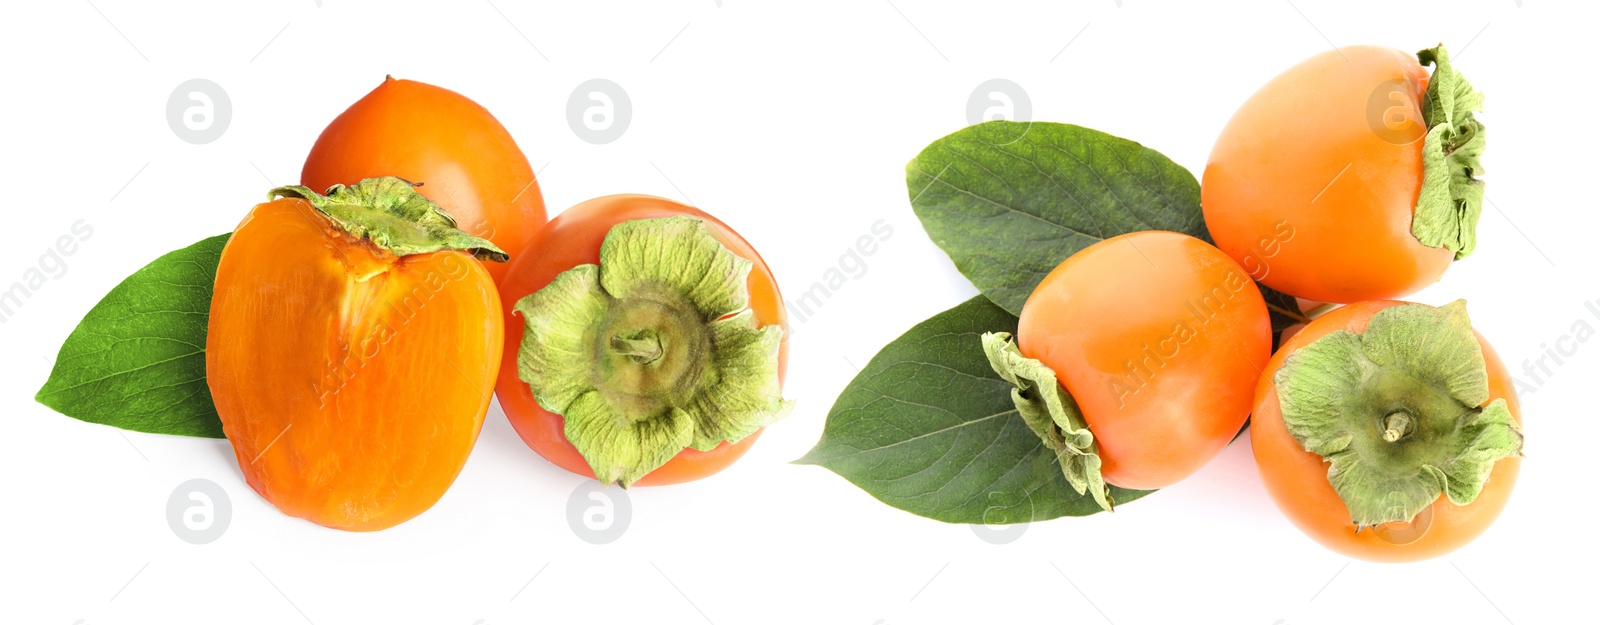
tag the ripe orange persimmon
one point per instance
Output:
(460, 155)
(1350, 176)
(1397, 428)
(351, 358)
(574, 239)
(1155, 337)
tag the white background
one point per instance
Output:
(793, 122)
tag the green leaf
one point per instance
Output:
(930, 428)
(137, 361)
(1008, 201)
(1283, 310)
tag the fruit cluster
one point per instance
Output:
(352, 337)
(1134, 349)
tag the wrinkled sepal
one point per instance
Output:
(558, 337)
(1488, 436)
(747, 395)
(391, 213)
(1052, 414)
(619, 449)
(1451, 198)
(1434, 345)
(676, 254)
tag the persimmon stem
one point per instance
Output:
(1396, 426)
(644, 350)
(1289, 313)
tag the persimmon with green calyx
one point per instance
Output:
(351, 351)
(457, 152)
(1351, 176)
(1135, 359)
(1388, 431)
(645, 342)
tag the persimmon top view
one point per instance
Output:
(645, 342)
(1389, 431)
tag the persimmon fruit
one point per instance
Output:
(458, 153)
(646, 389)
(1388, 431)
(351, 351)
(1135, 359)
(1351, 176)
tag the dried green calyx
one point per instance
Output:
(1451, 198)
(653, 350)
(1052, 414)
(391, 213)
(1401, 412)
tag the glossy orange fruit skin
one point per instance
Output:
(573, 238)
(466, 161)
(1302, 156)
(1118, 304)
(1297, 479)
(352, 383)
